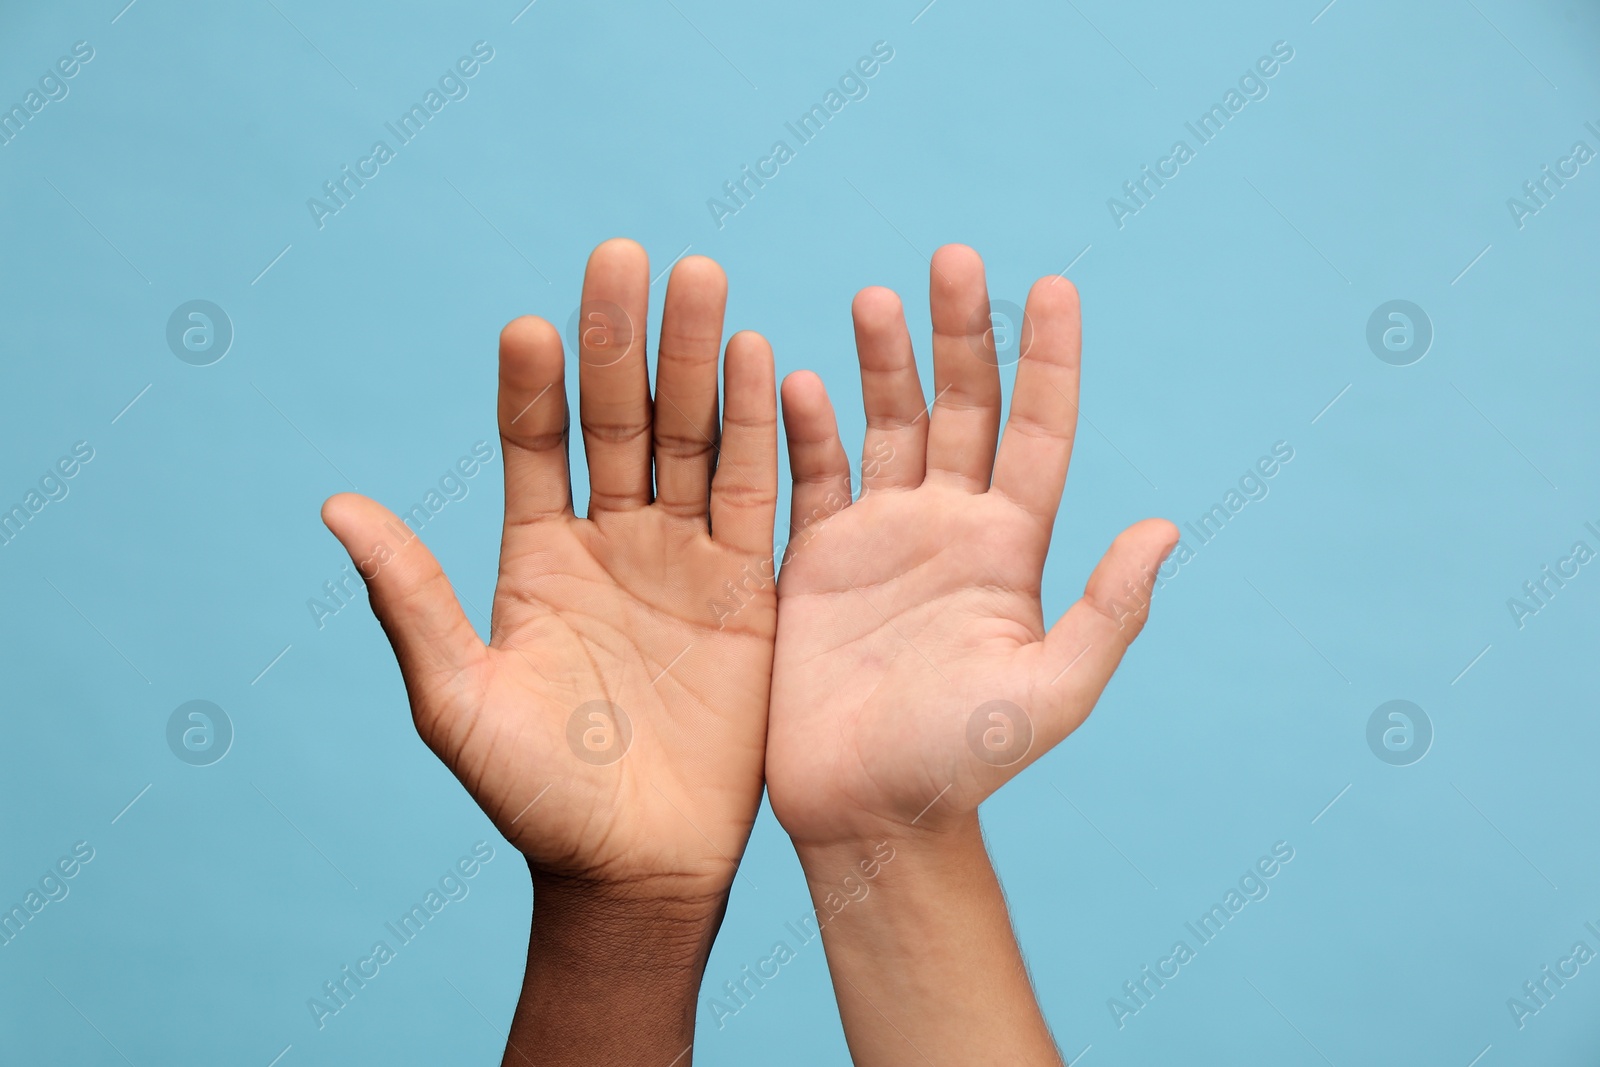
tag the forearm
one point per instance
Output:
(925, 966)
(611, 978)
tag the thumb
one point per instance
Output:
(1082, 650)
(412, 598)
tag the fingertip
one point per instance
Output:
(803, 390)
(329, 509)
(807, 412)
(618, 270)
(531, 356)
(527, 332)
(1054, 292)
(617, 249)
(1146, 539)
(956, 255)
(876, 306)
(340, 510)
(802, 381)
(746, 344)
(525, 344)
(956, 269)
(699, 270)
(355, 521)
(1141, 549)
(958, 297)
(749, 365)
(817, 462)
(1155, 532)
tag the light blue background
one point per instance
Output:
(1222, 318)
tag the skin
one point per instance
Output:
(632, 848)
(903, 614)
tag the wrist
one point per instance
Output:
(909, 866)
(629, 925)
(922, 951)
(613, 973)
(952, 842)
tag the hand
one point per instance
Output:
(913, 674)
(905, 613)
(659, 603)
(615, 607)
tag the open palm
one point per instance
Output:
(914, 672)
(613, 726)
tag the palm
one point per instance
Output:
(604, 619)
(613, 726)
(914, 612)
(890, 657)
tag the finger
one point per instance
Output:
(1031, 468)
(1078, 656)
(966, 376)
(894, 455)
(744, 492)
(613, 378)
(533, 421)
(817, 463)
(686, 386)
(435, 645)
